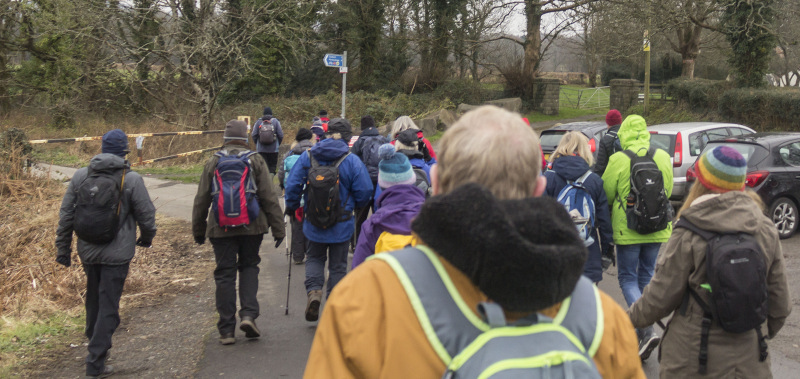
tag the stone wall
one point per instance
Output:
(624, 93)
(545, 98)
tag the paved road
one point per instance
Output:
(283, 349)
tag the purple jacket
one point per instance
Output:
(399, 204)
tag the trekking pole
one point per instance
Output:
(289, 277)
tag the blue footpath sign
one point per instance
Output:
(333, 60)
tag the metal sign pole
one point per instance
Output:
(344, 82)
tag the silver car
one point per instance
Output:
(684, 141)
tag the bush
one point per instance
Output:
(764, 109)
(698, 94)
(614, 70)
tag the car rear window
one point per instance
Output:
(747, 150)
(664, 142)
(551, 138)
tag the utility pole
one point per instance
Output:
(344, 81)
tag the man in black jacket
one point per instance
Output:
(366, 148)
(610, 142)
(106, 264)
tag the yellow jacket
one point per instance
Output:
(369, 329)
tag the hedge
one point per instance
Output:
(699, 94)
(767, 109)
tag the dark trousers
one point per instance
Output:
(272, 161)
(234, 254)
(315, 264)
(361, 215)
(299, 240)
(103, 290)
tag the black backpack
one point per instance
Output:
(99, 201)
(737, 286)
(648, 209)
(324, 208)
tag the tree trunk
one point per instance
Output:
(532, 44)
(688, 68)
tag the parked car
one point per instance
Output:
(684, 141)
(594, 130)
(773, 171)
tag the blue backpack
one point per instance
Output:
(233, 190)
(575, 197)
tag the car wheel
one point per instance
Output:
(784, 214)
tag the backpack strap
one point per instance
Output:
(582, 314)
(583, 178)
(449, 324)
(683, 223)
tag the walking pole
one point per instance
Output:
(289, 277)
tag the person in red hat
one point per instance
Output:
(610, 142)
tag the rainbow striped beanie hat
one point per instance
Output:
(722, 169)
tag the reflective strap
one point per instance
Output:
(582, 314)
(447, 321)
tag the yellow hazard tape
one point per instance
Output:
(97, 138)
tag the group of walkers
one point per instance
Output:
(473, 261)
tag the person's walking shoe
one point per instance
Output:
(248, 326)
(312, 308)
(299, 262)
(227, 339)
(648, 343)
(108, 370)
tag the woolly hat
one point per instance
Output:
(367, 122)
(115, 142)
(341, 126)
(407, 140)
(303, 134)
(394, 168)
(524, 254)
(267, 111)
(235, 130)
(613, 117)
(722, 169)
(323, 113)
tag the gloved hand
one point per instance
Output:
(64, 260)
(608, 257)
(278, 242)
(289, 211)
(142, 242)
(199, 240)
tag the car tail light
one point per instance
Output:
(653, 132)
(677, 160)
(592, 144)
(690, 176)
(755, 178)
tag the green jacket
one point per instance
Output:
(633, 135)
(204, 224)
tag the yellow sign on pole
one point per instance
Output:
(646, 44)
(246, 120)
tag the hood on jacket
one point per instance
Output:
(106, 161)
(633, 134)
(740, 212)
(302, 146)
(570, 167)
(370, 132)
(524, 254)
(329, 150)
(398, 204)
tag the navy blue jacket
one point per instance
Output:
(355, 188)
(571, 168)
(273, 147)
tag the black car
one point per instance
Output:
(773, 171)
(594, 130)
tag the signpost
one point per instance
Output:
(337, 60)
(646, 48)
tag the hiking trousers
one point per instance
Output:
(299, 240)
(236, 254)
(103, 291)
(272, 161)
(318, 253)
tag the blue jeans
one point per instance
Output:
(318, 253)
(635, 266)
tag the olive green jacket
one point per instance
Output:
(204, 224)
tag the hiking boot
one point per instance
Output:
(108, 370)
(312, 308)
(299, 262)
(227, 339)
(248, 326)
(648, 343)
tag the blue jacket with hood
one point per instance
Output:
(355, 188)
(569, 168)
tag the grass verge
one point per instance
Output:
(23, 341)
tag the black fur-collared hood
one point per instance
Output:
(525, 254)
